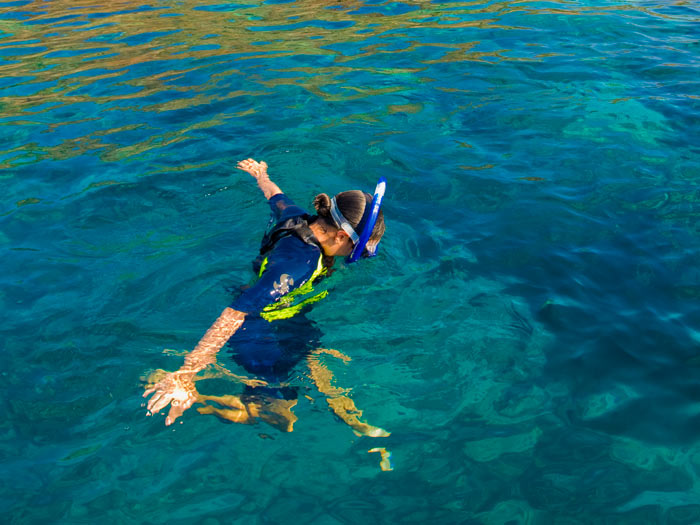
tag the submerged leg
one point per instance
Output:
(342, 405)
(275, 412)
(385, 462)
(232, 408)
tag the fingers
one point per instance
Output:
(176, 410)
(251, 165)
(176, 395)
(158, 403)
(176, 390)
(152, 402)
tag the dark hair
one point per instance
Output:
(352, 205)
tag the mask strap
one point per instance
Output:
(341, 222)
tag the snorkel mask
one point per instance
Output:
(369, 219)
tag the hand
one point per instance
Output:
(259, 171)
(176, 389)
(255, 168)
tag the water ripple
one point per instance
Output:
(531, 320)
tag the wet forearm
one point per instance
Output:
(268, 187)
(213, 340)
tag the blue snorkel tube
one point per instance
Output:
(360, 245)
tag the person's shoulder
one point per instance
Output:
(284, 207)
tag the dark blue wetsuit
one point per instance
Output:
(276, 334)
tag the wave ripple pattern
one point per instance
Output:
(529, 333)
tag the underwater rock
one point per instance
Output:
(491, 448)
(601, 403)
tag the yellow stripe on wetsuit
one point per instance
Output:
(287, 306)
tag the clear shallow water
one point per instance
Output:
(529, 333)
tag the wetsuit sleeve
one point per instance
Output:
(290, 264)
(283, 207)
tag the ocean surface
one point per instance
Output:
(529, 333)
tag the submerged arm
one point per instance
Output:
(214, 339)
(259, 171)
(177, 388)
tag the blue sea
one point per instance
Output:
(529, 332)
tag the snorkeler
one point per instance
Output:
(266, 325)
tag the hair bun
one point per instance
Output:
(322, 203)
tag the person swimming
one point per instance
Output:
(265, 326)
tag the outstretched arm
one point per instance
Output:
(214, 339)
(259, 171)
(177, 388)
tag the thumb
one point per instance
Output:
(175, 412)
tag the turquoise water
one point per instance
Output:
(529, 333)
